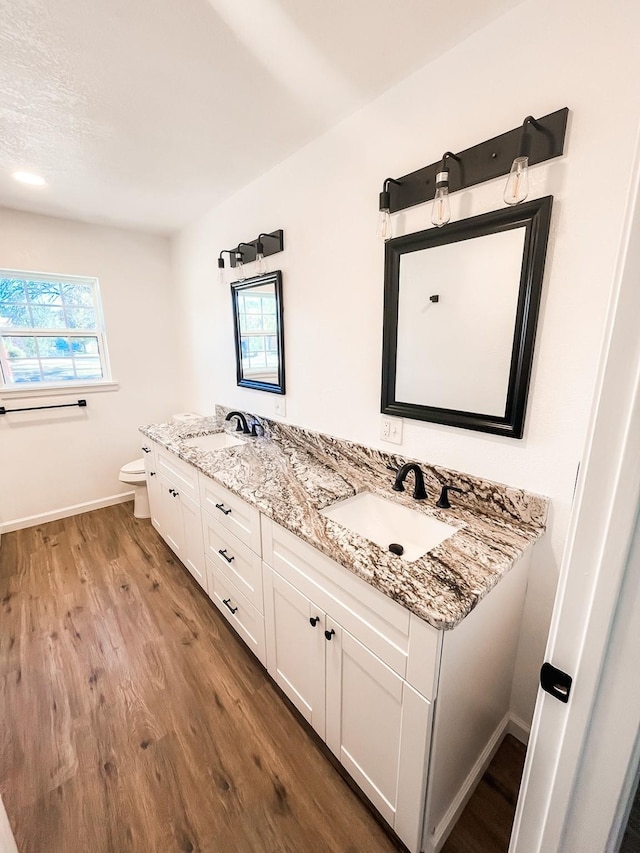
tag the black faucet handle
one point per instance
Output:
(443, 500)
(254, 431)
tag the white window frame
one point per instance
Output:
(28, 389)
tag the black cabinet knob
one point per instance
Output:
(152, 473)
(146, 450)
(313, 621)
(329, 634)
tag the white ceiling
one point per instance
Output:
(145, 112)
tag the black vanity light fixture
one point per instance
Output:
(384, 217)
(267, 243)
(538, 140)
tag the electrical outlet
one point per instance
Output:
(391, 430)
(280, 407)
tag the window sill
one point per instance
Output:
(58, 390)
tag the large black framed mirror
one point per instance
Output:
(259, 332)
(460, 313)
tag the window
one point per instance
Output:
(51, 330)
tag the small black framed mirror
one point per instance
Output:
(259, 332)
(460, 313)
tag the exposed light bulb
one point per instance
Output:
(221, 270)
(441, 212)
(261, 266)
(384, 225)
(240, 267)
(383, 230)
(517, 188)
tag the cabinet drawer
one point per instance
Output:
(234, 559)
(232, 512)
(183, 476)
(235, 608)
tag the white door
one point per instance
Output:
(581, 759)
(378, 727)
(296, 647)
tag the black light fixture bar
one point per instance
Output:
(272, 243)
(543, 140)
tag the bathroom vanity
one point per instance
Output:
(403, 667)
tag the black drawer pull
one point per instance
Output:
(313, 620)
(223, 553)
(152, 473)
(227, 601)
(222, 509)
(146, 450)
(329, 634)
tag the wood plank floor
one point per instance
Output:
(132, 719)
(485, 824)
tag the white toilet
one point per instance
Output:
(134, 475)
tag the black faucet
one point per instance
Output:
(242, 422)
(419, 491)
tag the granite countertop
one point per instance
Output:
(290, 474)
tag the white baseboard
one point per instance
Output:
(519, 729)
(64, 512)
(468, 787)
(7, 841)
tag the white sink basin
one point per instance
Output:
(385, 522)
(214, 441)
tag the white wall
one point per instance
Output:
(52, 460)
(539, 57)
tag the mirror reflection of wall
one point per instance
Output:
(454, 350)
(460, 314)
(257, 305)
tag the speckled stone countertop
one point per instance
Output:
(290, 474)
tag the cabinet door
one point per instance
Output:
(170, 515)
(378, 727)
(296, 647)
(193, 550)
(153, 488)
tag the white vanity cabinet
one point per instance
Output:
(414, 714)
(339, 650)
(175, 510)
